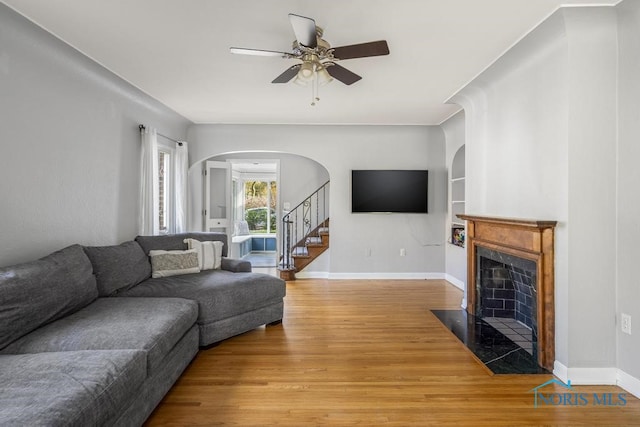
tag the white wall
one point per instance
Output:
(592, 40)
(456, 257)
(340, 149)
(70, 145)
(541, 132)
(628, 205)
(516, 145)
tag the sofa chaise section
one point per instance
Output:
(231, 300)
(228, 303)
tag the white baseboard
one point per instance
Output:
(312, 275)
(454, 281)
(629, 383)
(381, 276)
(585, 376)
(561, 372)
(597, 376)
(385, 276)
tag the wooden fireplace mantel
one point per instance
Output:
(524, 238)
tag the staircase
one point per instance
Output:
(305, 233)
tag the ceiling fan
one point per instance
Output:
(317, 58)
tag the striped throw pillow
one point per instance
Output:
(209, 253)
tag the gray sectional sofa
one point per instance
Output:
(88, 338)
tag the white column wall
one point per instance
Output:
(541, 143)
(628, 206)
(516, 145)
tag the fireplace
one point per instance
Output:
(510, 275)
(506, 296)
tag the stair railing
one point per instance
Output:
(302, 222)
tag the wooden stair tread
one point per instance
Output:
(299, 252)
(306, 250)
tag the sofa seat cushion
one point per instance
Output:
(220, 294)
(154, 325)
(76, 388)
(38, 292)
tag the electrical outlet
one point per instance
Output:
(625, 323)
(403, 252)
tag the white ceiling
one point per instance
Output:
(177, 51)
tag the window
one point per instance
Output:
(165, 175)
(260, 206)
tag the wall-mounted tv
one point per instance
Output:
(392, 191)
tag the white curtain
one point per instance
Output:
(181, 178)
(148, 221)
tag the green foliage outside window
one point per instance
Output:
(259, 194)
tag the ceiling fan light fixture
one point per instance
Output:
(301, 81)
(323, 75)
(306, 71)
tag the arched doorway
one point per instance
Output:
(290, 178)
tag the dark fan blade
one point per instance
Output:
(259, 52)
(340, 73)
(287, 75)
(304, 29)
(361, 50)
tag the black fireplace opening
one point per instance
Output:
(507, 296)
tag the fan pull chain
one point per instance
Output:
(314, 87)
(315, 94)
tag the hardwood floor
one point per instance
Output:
(367, 353)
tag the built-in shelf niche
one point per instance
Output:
(458, 198)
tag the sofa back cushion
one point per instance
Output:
(175, 242)
(38, 292)
(118, 268)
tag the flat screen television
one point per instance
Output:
(389, 191)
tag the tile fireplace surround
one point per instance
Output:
(531, 240)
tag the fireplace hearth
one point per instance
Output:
(510, 279)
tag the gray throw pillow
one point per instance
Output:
(119, 267)
(173, 263)
(38, 292)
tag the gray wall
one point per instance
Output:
(340, 149)
(542, 142)
(70, 145)
(628, 212)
